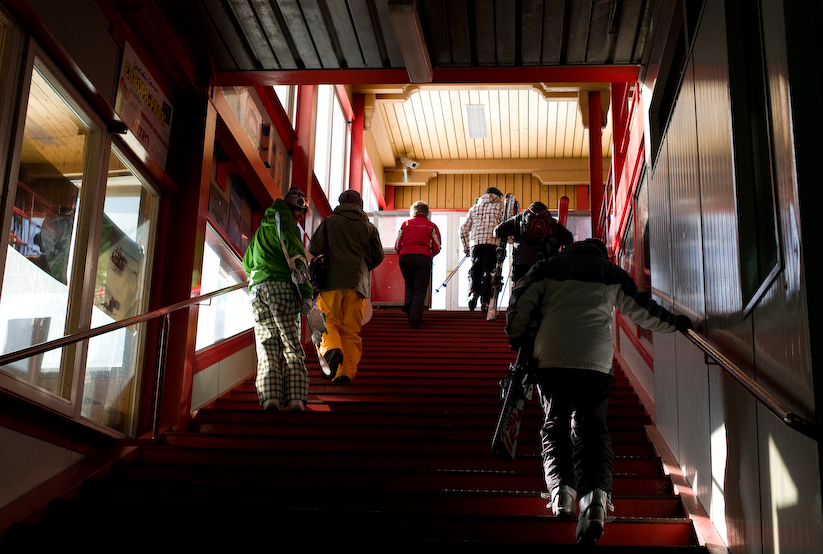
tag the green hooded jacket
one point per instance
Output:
(264, 259)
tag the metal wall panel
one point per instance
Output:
(734, 503)
(665, 370)
(791, 502)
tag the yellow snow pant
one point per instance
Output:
(343, 309)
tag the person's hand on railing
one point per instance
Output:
(684, 323)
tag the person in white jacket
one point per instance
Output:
(477, 234)
(562, 311)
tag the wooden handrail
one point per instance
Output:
(775, 406)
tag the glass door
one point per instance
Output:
(43, 259)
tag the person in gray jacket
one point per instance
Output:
(562, 310)
(352, 247)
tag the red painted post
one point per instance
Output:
(356, 157)
(595, 164)
(306, 123)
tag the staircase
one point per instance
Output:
(398, 459)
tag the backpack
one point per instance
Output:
(535, 227)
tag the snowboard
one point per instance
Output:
(510, 209)
(515, 389)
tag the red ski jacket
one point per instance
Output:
(418, 235)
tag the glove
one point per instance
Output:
(317, 322)
(684, 323)
(306, 306)
(466, 251)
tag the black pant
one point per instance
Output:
(416, 270)
(576, 446)
(483, 258)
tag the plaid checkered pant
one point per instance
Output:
(277, 335)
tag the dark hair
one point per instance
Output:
(494, 190)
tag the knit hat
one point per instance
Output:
(296, 200)
(494, 190)
(351, 196)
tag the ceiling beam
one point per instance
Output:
(409, 32)
(499, 75)
(550, 171)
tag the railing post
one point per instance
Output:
(162, 344)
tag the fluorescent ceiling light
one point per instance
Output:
(476, 121)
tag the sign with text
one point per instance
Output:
(143, 106)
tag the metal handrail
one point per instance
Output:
(791, 419)
(162, 341)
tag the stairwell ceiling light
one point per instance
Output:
(476, 121)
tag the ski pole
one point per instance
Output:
(452, 273)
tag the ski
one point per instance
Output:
(515, 389)
(510, 209)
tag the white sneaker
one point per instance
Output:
(271, 405)
(592, 516)
(296, 405)
(563, 501)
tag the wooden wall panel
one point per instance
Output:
(458, 192)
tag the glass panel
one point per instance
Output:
(228, 314)
(113, 361)
(37, 279)
(370, 204)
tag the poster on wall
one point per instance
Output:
(143, 107)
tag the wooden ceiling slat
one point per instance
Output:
(300, 35)
(551, 130)
(387, 32)
(205, 26)
(476, 144)
(437, 21)
(571, 126)
(447, 118)
(346, 37)
(554, 31)
(405, 146)
(630, 29)
(459, 127)
(274, 33)
(362, 16)
(533, 129)
(459, 32)
(600, 43)
(542, 134)
(440, 125)
(578, 32)
(513, 116)
(523, 122)
(488, 146)
(235, 42)
(433, 123)
(462, 131)
(255, 37)
(560, 130)
(505, 143)
(307, 13)
(531, 34)
(422, 124)
(494, 123)
(505, 32)
(392, 127)
(484, 32)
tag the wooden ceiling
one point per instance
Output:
(276, 35)
(528, 62)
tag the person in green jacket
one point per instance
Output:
(277, 302)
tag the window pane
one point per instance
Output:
(322, 137)
(228, 314)
(37, 279)
(112, 364)
(339, 151)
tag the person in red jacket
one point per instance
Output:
(418, 241)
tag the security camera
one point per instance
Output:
(409, 163)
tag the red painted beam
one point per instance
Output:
(278, 115)
(554, 74)
(595, 165)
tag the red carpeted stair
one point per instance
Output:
(398, 459)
